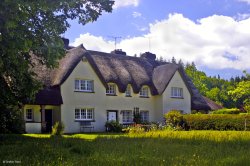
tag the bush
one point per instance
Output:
(11, 120)
(58, 128)
(136, 129)
(217, 122)
(113, 126)
(175, 119)
(227, 111)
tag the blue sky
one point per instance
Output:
(213, 33)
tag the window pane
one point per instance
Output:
(144, 116)
(89, 114)
(176, 92)
(77, 114)
(29, 114)
(110, 89)
(127, 116)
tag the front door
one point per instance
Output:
(112, 116)
(48, 120)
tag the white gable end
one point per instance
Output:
(176, 96)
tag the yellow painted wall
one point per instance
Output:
(156, 105)
(34, 127)
(175, 103)
(99, 101)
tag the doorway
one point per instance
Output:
(48, 120)
(112, 115)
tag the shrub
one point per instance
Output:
(136, 129)
(227, 111)
(57, 128)
(174, 119)
(113, 126)
(217, 122)
(11, 120)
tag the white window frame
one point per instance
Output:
(84, 114)
(111, 90)
(144, 91)
(128, 91)
(84, 85)
(127, 116)
(176, 92)
(144, 116)
(29, 114)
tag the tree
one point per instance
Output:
(241, 94)
(35, 27)
(198, 77)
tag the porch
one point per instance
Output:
(40, 118)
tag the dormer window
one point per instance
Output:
(111, 90)
(144, 92)
(128, 91)
(84, 85)
(176, 92)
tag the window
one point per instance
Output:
(29, 114)
(144, 92)
(84, 85)
(127, 116)
(84, 114)
(144, 116)
(111, 89)
(176, 92)
(128, 91)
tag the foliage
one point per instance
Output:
(227, 111)
(58, 128)
(137, 117)
(241, 94)
(148, 148)
(174, 119)
(113, 126)
(197, 77)
(136, 129)
(29, 28)
(217, 122)
(11, 120)
(215, 88)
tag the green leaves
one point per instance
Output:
(35, 27)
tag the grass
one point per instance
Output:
(151, 148)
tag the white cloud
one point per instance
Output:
(216, 42)
(242, 16)
(247, 1)
(136, 14)
(124, 3)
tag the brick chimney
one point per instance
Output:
(118, 52)
(149, 56)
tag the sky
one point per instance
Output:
(214, 34)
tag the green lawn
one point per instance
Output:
(152, 148)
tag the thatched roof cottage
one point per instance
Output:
(89, 88)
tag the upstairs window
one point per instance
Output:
(128, 91)
(84, 85)
(29, 115)
(84, 114)
(176, 92)
(144, 92)
(111, 90)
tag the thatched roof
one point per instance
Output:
(122, 70)
(213, 105)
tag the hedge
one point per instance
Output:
(217, 122)
(227, 111)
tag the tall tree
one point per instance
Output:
(241, 94)
(34, 27)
